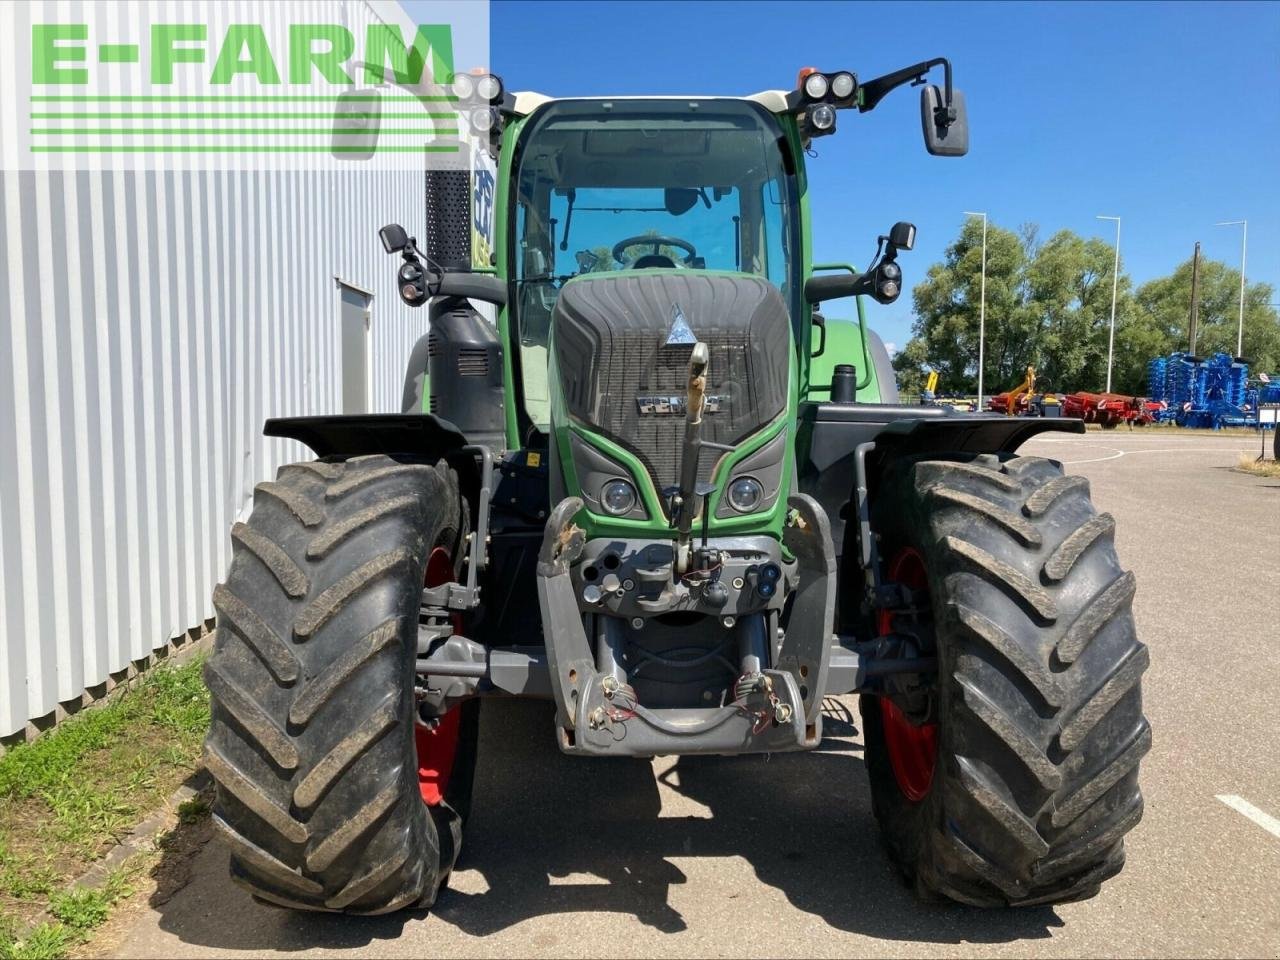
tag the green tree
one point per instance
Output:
(1069, 296)
(1048, 306)
(1161, 320)
(910, 363)
(945, 331)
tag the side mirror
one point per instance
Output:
(393, 238)
(946, 127)
(357, 120)
(678, 200)
(902, 235)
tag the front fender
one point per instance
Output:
(418, 435)
(831, 432)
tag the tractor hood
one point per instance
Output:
(622, 343)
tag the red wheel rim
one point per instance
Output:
(912, 749)
(438, 746)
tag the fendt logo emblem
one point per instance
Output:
(672, 406)
(679, 331)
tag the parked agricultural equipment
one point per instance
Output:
(668, 496)
(930, 392)
(1208, 393)
(1110, 410)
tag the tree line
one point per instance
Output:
(1048, 305)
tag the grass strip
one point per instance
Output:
(68, 797)
(1248, 463)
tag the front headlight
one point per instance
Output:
(842, 85)
(618, 497)
(815, 86)
(489, 88)
(821, 118)
(745, 494)
(463, 86)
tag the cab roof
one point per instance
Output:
(775, 101)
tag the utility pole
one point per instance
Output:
(1115, 279)
(982, 305)
(1195, 296)
(1244, 250)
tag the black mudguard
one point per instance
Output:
(830, 433)
(418, 435)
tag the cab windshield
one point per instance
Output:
(641, 184)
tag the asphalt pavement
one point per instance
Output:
(742, 857)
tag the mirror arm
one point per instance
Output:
(873, 91)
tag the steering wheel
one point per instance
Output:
(656, 242)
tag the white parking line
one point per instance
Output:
(1136, 438)
(1261, 818)
(1129, 453)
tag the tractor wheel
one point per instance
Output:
(1019, 779)
(321, 765)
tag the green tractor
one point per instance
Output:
(662, 492)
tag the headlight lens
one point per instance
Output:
(815, 86)
(842, 85)
(822, 117)
(618, 497)
(489, 88)
(463, 85)
(484, 120)
(745, 494)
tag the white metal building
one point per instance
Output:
(151, 321)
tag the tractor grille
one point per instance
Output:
(611, 341)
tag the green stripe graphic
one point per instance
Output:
(354, 97)
(222, 148)
(242, 131)
(451, 115)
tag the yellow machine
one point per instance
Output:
(1026, 388)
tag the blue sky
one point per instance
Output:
(1164, 114)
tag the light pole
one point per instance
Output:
(1244, 249)
(1115, 279)
(982, 305)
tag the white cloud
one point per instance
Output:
(891, 347)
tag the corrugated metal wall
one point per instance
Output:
(151, 322)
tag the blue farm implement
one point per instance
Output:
(1208, 393)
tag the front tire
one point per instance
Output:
(312, 740)
(1038, 705)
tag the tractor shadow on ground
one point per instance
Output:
(549, 834)
(802, 821)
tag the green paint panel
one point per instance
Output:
(846, 343)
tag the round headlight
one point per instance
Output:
(489, 88)
(842, 85)
(822, 117)
(463, 85)
(745, 494)
(484, 120)
(815, 86)
(618, 497)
